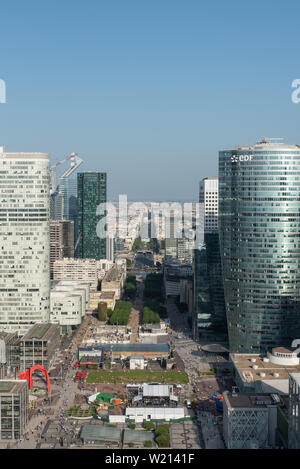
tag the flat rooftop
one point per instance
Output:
(33, 155)
(137, 436)
(112, 275)
(248, 400)
(268, 144)
(40, 331)
(107, 295)
(243, 364)
(156, 390)
(10, 386)
(100, 433)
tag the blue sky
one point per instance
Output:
(148, 90)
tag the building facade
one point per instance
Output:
(86, 270)
(61, 241)
(91, 191)
(209, 303)
(14, 408)
(39, 346)
(25, 241)
(68, 188)
(250, 421)
(294, 411)
(259, 225)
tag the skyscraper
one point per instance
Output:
(259, 221)
(61, 241)
(25, 244)
(68, 188)
(209, 305)
(91, 191)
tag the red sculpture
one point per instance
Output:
(28, 376)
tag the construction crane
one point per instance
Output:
(75, 163)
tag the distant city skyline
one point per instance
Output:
(148, 92)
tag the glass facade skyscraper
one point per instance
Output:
(209, 306)
(259, 228)
(68, 187)
(91, 191)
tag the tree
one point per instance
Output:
(163, 440)
(102, 311)
(153, 245)
(121, 313)
(162, 434)
(148, 426)
(130, 290)
(137, 244)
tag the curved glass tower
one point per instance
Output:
(259, 227)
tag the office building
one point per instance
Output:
(110, 249)
(91, 192)
(209, 197)
(209, 303)
(25, 241)
(57, 206)
(86, 270)
(294, 411)
(174, 273)
(39, 346)
(68, 188)
(259, 223)
(68, 304)
(61, 241)
(14, 408)
(256, 373)
(114, 280)
(250, 421)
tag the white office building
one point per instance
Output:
(209, 196)
(25, 243)
(86, 270)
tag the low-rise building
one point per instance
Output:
(250, 421)
(149, 351)
(68, 303)
(100, 435)
(66, 309)
(139, 414)
(39, 345)
(137, 437)
(137, 362)
(254, 373)
(114, 280)
(14, 407)
(108, 297)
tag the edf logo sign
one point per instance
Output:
(236, 158)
